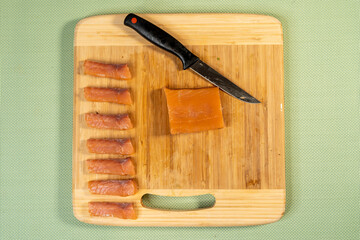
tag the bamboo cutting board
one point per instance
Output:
(241, 165)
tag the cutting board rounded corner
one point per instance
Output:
(87, 20)
(81, 22)
(271, 19)
(79, 215)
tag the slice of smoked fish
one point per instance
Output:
(121, 188)
(113, 95)
(108, 121)
(115, 71)
(194, 110)
(112, 209)
(110, 146)
(123, 167)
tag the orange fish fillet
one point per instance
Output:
(194, 110)
(111, 166)
(113, 95)
(112, 209)
(113, 187)
(115, 71)
(110, 146)
(109, 121)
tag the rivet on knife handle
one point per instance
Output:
(160, 38)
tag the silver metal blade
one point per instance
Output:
(222, 82)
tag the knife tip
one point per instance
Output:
(249, 100)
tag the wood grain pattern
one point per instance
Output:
(192, 29)
(243, 164)
(233, 208)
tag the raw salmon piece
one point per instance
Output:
(113, 95)
(115, 71)
(113, 187)
(110, 146)
(194, 110)
(111, 166)
(108, 121)
(112, 209)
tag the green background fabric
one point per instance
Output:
(321, 53)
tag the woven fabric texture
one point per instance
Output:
(322, 79)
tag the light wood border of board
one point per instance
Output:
(256, 29)
(233, 207)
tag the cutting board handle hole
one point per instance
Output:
(188, 203)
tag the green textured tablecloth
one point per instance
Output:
(321, 51)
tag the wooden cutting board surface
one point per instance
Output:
(242, 165)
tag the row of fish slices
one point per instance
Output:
(121, 166)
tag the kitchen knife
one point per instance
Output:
(165, 41)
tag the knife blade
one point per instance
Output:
(167, 42)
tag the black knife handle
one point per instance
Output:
(160, 38)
